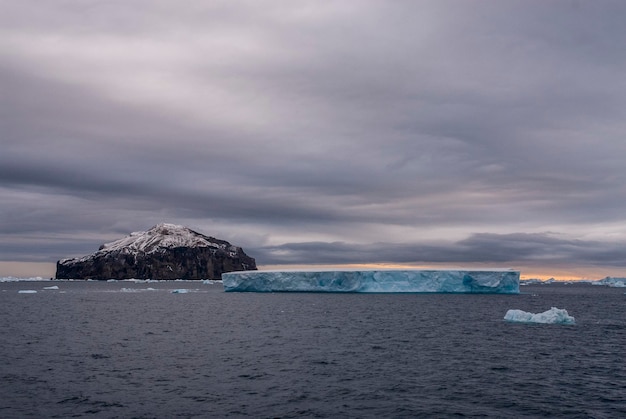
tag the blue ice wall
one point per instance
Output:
(376, 281)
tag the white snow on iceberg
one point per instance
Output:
(375, 281)
(552, 316)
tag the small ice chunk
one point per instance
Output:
(54, 287)
(180, 291)
(137, 289)
(211, 281)
(552, 316)
(27, 292)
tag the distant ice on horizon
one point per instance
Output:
(611, 282)
(16, 279)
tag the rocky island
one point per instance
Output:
(166, 251)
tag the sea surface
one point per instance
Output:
(138, 350)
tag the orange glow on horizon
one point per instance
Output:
(526, 272)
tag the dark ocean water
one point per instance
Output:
(90, 349)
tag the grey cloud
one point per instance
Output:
(315, 117)
(542, 248)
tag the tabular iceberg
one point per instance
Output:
(375, 281)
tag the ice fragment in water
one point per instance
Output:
(180, 291)
(27, 292)
(416, 280)
(54, 287)
(136, 289)
(211, 281)
(552, 316)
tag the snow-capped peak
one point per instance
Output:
(162, 236)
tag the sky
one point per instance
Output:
(446, 133)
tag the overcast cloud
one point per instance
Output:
(319, 132)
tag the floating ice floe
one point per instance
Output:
(27, 292)
(211, 281)
(54, 287)
(552, 316)
(180, 291)
(137, 289)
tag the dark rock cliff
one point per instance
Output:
(166, 251)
